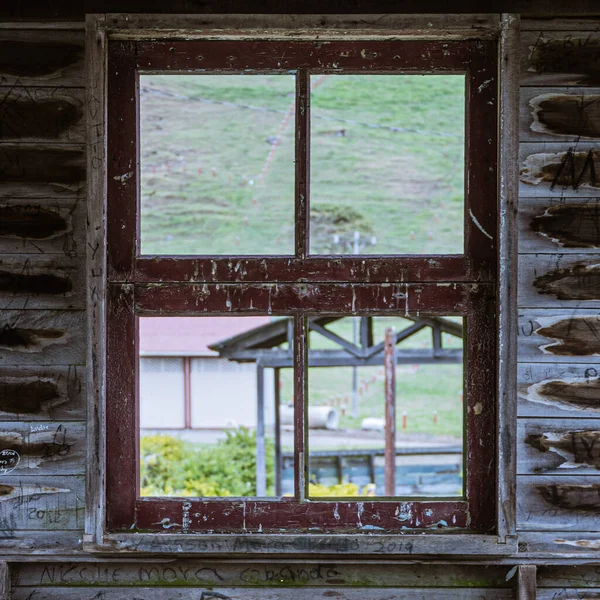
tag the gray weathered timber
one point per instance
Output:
(577, 545)
(40, 503)
(42, 393)
(37, 114)
(560, 58)
(274, 26)
(313, 544)
(565, 114)
(508, 284)
(568, 281)
(95, 269)
(42, 337)
(559, 225)
(42, 448)
(559, 335)
(42, 169)
(42, 226)
(39, 281)
(26, 544)
(46, 58)
(526, 584)
(261, 594)
(559, 390)
(553, 503)
(569, 593)
(5, 592)
(182, 572)
(559, 170)
(578, 576)
(558, 446)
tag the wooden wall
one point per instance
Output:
(43, 350)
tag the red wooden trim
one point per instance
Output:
(481, 189)
(264, 269)
(348, 56)
(187, 392)
(224, 515)
(300, 401)
(302, 187)
(122, 429)
(286, 298)
(480, 352)
(122, 171)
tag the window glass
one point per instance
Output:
(387, 164)
(217, 164)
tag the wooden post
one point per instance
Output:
(526, 583)
(389, 364)
(4, 581)
(261, 469)
(278, 465)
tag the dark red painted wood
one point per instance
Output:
(302, 187)
(339, 56)
(300, 416)
(122, 171)
(287, 514)
(365, 269)
(121, 408)
(287, 298)
(301, 285)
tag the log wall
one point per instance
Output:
(43, 350)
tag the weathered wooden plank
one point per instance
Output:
(552, 58)
(42, 226)
(508, 276)
(558, 446)
(34, 114)
(27, 593)
(559, 23)
(553, 503)
(42, 58)
(42, 448)
(54, 502)
(24, 543)
(42, 337)
(565, 225)
(567, 335)
(555, 114)
(48, 393)
(42, 169)
(526, 584)
(559, 169)
(559, 280)
(96, 100)
(567, 593)
(563, 576)
(5, 586)
(264, 575)
(313, 544)
(559, 390)
(40, 281)
(579, 545)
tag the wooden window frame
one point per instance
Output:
(461, 285)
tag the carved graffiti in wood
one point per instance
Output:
(571, 169)
(571, 225)
(575, 282)
(576, 336)
(568, 393)
(572, 497)
(566, 114)
(34, 222)
(577, 448)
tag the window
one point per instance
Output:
(294, 266)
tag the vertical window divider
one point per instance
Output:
(300, 408)
(302, 157)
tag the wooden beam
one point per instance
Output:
(261, 467)
(390, 412)
(526, 582)
(5, 593)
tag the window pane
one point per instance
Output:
(387, 164)
(217, 164)
(200, 375)
(347, 416)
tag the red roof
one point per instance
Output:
(185, 336)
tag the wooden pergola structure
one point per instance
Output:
(265, 346)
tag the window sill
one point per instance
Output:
(304, 544)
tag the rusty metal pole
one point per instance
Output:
(389, 364)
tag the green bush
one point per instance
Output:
(170, 466)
